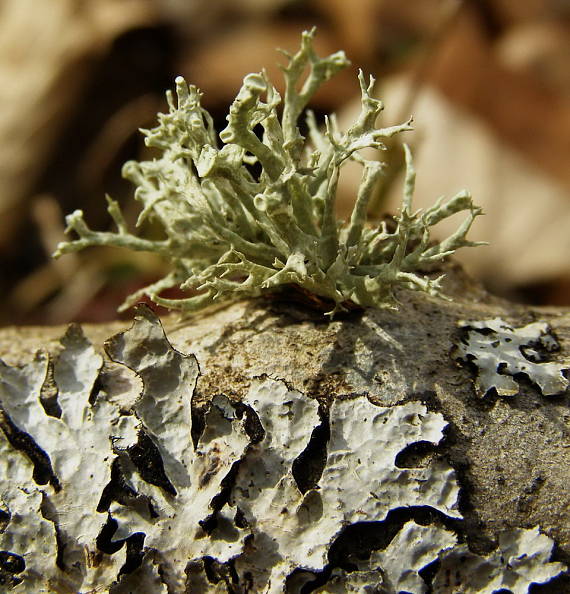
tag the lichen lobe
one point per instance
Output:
(235, 519)
(500, 352)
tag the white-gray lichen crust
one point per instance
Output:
(79, 447)
(413, 548)
(193, 477)
(232, 232)
(500, 352)
(360, 480)
(521, 559)
(141, 499)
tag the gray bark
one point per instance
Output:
(509, 454)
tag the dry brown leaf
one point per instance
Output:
(46, 51)
(540, 50)
(525, 114)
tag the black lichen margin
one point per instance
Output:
(145, 455)
(10, 566)
(308, 468)
(20, 440)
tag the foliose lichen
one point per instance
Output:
(501, 353)
(254, 209)
(142, 498)
(521, 559)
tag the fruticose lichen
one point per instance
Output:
(97, 494)
(500, 352)
(231, 230)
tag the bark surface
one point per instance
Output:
(510, 454)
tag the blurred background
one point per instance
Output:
(488, 84)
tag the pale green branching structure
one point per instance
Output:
(230, 232)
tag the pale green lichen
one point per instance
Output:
(230, 231)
